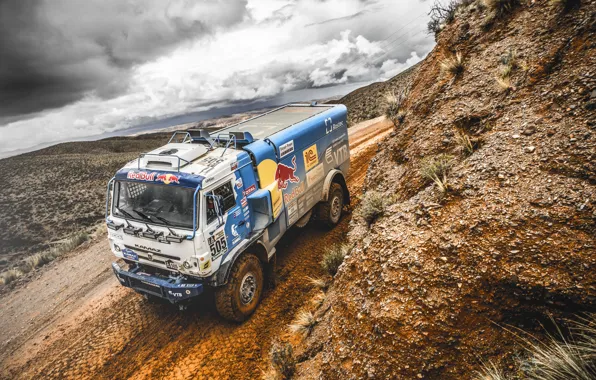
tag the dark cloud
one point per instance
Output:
(56, 51)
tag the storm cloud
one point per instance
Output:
(77, 69)
(56, 51)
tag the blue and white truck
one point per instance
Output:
(207, 209)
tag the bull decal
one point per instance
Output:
(285, 173)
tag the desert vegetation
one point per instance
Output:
(334, 257)
(395, 106)
(559, 357)
(282, 363)
(437, 170)
(373, 206)
(453, 64)
(303, 323)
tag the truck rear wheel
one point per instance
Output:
(239, 298)
(330, 210)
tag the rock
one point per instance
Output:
(529, 130)
(515, 136)
(530, 149)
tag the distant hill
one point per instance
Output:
(367, 102)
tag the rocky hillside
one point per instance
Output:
(502, 112)
(367, 102)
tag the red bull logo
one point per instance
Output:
(141, 176)
(168, 178)
(285, 173)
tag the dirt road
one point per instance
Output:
(75, 321)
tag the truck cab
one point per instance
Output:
(207, 209)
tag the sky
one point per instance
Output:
(73, 69)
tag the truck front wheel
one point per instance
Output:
(239, 298)
(330, 210)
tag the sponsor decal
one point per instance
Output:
(330, 126)
(206, 265)
(310, 157)
(211, 161)
(249, 190)
(285, 173)
(115, 236)
(315, 175)
(171, 265)
(234, 230)
(288, 197)
(341, 154)
(130, 254)
(329, 156)
(237, 213)
(174, 294)
(239, 183)
(236, 240)
(217, 244)
(248, 225)
(141, 176)
(168, 178)
(234, 166)
(244, 202)
(285, 149)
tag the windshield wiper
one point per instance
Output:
(143, 215)
(164, 220)
(125, 213)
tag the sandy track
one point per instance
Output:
(76, 321)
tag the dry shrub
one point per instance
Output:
(303, 324)
(318, 283)
(9, 276)
(497, 9)
(453, 64)
(373, 205)
(443, 13)
(464, 143)
(334, 257)
(437, 170)
(558, 358)
(490, 372)
(38, 260)
(283, 363)
(504, 83)
(394, 106)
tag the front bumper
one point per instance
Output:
(173, 290)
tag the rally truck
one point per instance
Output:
(207, 208)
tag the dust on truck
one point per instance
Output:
(207, 209)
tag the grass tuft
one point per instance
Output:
(303, 324)
(373, 205)
(318, 283)
(565, 5)
(281, 357)
(490, 371)
(464, 143)
(498, 9)
(557, 358)
(453, 64)
(334, 257)
(394, 107)
(437, 170)
(10, 275)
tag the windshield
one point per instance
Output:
(155, 204)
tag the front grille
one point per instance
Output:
(145, 286)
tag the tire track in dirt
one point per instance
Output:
(135, 339)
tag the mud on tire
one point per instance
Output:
(239, 298)
(329, 212)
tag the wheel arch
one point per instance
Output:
(336, 176)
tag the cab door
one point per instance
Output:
(227, 228)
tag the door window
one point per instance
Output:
(226, 191)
